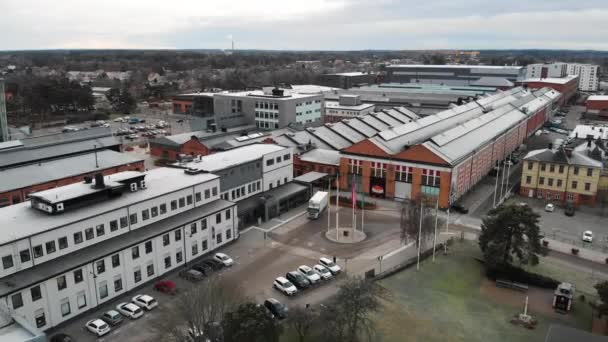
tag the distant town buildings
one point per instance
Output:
(588, 75)
(346, 106)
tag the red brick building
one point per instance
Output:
(326, 161)
(18, 182)
(170, 148)
(597, 104)
(568, 86)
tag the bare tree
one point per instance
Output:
(302, 320)
(197, 312)
(411, 210)
(348, 317)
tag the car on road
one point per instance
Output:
(192, 275)
(132, 136)
(180, 121)
(61, 337)
(130, 310)
(276, 308)
(285, 286)
(119, 120)
(322, 271)
(224, 259)
(330, 265)
(588, 236)
(215, 265)
(98, 327)
(298, 280)
(549, 207)
(145, 301)
(569, 211)
(311, 275)
(459, 208)
(112, 317)
(203, 268)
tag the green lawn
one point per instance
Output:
(452, 301)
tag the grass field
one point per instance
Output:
(451, 300)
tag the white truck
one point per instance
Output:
(317, 204)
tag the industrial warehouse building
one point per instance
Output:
(455, 75)
(74, 247)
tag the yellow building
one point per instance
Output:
(561, 175)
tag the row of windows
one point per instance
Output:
(100, 230)
(264, 124)
(285, 157)
(267, 105)
(543, 167)
(558, 183)
(266, 115)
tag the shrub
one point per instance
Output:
(545, 243)
(575, 251)
(519, 275)
(606, 260)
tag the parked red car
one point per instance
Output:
(165, 286)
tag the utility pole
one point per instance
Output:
(508, 174)
(362, 210)
(436, 221)
(329, 204)
(419, 235)
(96, 161)
(496, 186)
(337, 203)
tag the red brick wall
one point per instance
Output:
(192, 147)
(301, 167)
(19, 195)
(597, 105)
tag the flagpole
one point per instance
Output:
(329, 204)
(362, 211)
(436, 221)
(508, 173)
(354, 200)
(496, 186)
(337, 204)
(419, 235)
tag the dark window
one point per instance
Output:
(551, 167)
(78, 276)
(17, 300)
(65, 308)
(166, 239)
(154, 211)
(214, 191)
(50, 247)
(89, 233)
(587, 186)
(541, 180)
(269, 162)
(228, 234)
(218, 238)
(559, 182)
(7, 261)
(574, 184)
(207, 193)
(137, 275)
(218, 218)
(561, 169)
(194, 248)
(189, 199)
(40, 319)
(178, 257)
(100, 230)
(589, 172)
(113, 225)
(197, 196)
(543, 166)
(117, 284)
(528, 179)
(38, 251)
(550, 183)
(173, 205)
(77, 238)
(135, 252)
(168, 261)
(228, 214)
(124, 223)
(101, 266)
(150, 270)
(287, 157)
(178, 235)
(36, 293)
(25, 255)
(115, 260)
(145, 214)
(61, 283)
(63, 242)
(148, 247)
(163, 208)
(204, 245)
(182, 202)
(193, 228)
(133, 218)
(576, 170)
(103, 290)
(204, 224)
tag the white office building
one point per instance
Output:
(588, 76)
(72, 248)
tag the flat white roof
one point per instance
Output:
(354, 73)
(454, 66)
(582, 131)
(222, 160)
(598, 98)
(289, 94)
(21, 220)
(337, 105)
(555, 80)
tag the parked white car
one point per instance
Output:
(285, 286)
(145, 301)
(549, 207)
(588, 236)
(322, 271)
(331, 266)
(98, 327)
(224, 259)
(130, 310)
(311, 275)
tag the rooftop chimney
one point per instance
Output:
(99, 184)
(568, 151)
(88, 179)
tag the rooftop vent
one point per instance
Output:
(88, 179)
(99, 183)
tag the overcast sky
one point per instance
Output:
(304, 24)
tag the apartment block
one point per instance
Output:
(588, 76)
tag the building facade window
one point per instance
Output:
(378, 170)
(89, 233)
(100, 266)
(145, 214)
(166, 239)
(528, 179)
(561, 169)
(40, 318)
(100, 230)
(589, 172)
(81, 300)
(574, 184)
(113, 225)
(61, 283)
(403, 173)
(148, 247)
(168, 261)
(178, 235)
(25, 255)
(431, 178)
(78, 276)
(559, 182)
(576, 170)
(103, 290)
(137, 275)
(7, 261)
(162, 208)
(115, 260)
(50, 247)
(355, 166)
(133, 218)
(17, 300)
(38, 251)
(135, 252)
(530, 165)
(541, 181)
(65, 307)
(150, 270)
(587, 186)
(117, 284)
(63, 242)
(36, 293)
(124, 222)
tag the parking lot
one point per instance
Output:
(261, 254)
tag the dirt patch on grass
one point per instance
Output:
(539, 300)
